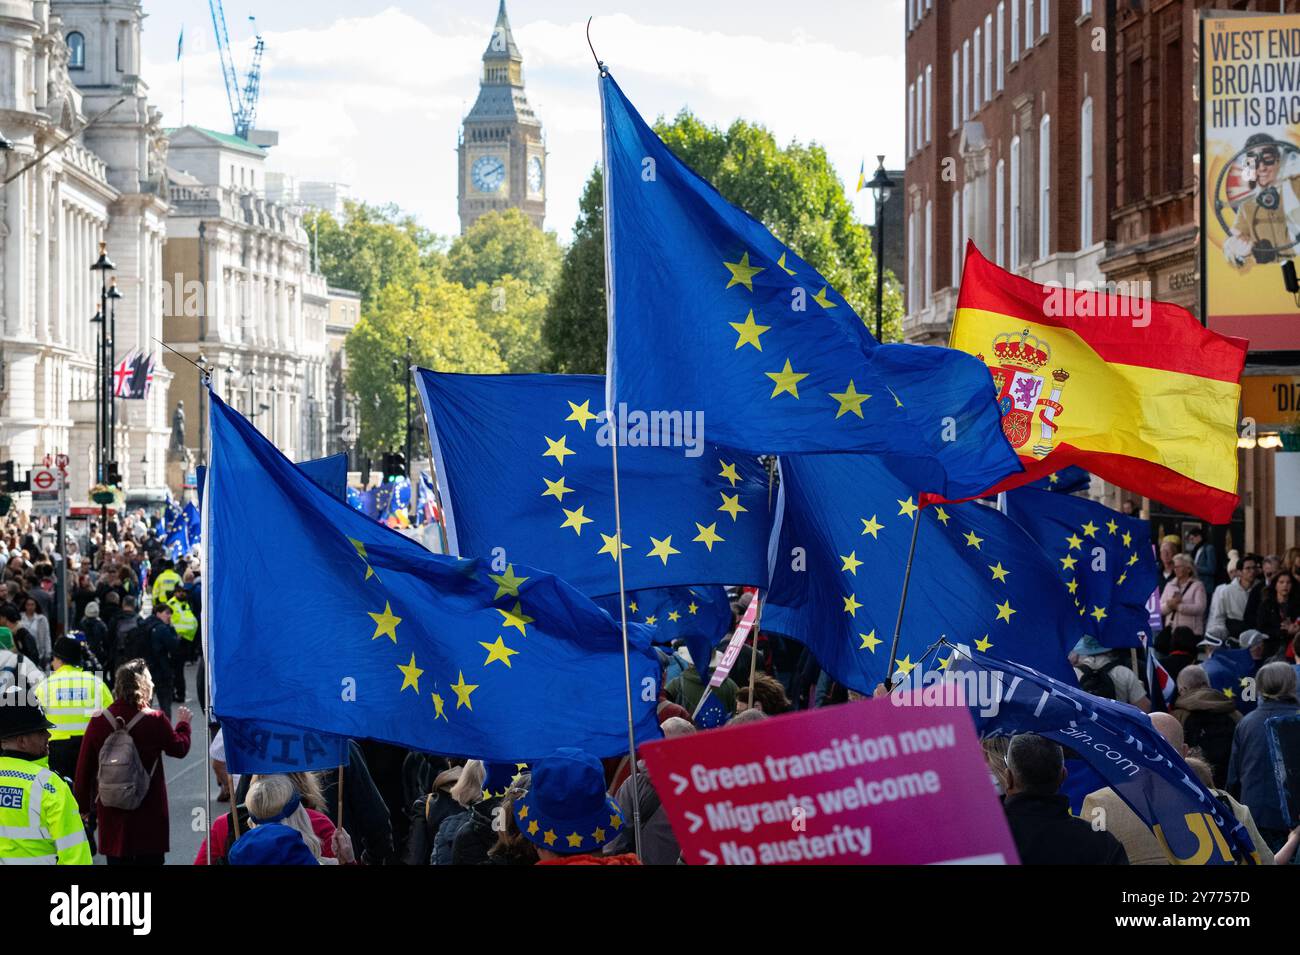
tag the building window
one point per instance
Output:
(1085, 8)
(911, 289)
(1133, 151)
(911, 92)
(929, 102)
(1015, 30)
(1013, 187)
(977, 86)
(988, 57)
(965, 79)
(999, 215)
(1085, 174)
(76, 51)
(956, 227)
(956, 89)
(1002, 29)
(1044, 187)
(1029, 23)
(929, 254)
(1172, 115)
(1045, 11)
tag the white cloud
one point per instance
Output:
(376, 100)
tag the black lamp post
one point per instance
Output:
(396, 365)
(103, 265)
(881, 186)
(113, 295)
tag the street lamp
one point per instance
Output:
(396, 366)
(113, 295)
(103, 265)
(881, 187)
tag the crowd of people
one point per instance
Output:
(136, 614)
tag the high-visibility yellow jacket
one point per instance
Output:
(39, 820)
(167, 581)
(184, 622)
(70, 696)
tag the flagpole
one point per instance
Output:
(205, 565)
(902, 600)
(758, 621)
(618, 514)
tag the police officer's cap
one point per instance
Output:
(20, 715)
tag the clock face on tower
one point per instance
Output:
(535, 175)
(488, 173)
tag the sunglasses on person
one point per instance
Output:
(1263, 159)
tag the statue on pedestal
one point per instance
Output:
(178, 428)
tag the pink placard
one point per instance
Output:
(864, 783)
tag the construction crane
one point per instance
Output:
(243, 104)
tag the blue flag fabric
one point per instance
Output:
(176, 531)
(256, 746)
(1118, 742)
(698, 616)
(1065, 481)
(1104, 558)
(193, 522)
(329, 473)
(389, 641)
(1232, 672)
(524, 467)
(711, 312)
(978, 579)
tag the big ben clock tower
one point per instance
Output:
(502, 156)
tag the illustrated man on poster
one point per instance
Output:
(1268, 220)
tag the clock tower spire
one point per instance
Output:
(501, 151)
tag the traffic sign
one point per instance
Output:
(47, 491)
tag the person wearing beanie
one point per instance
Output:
(71, 696)
(567, 814)
(96, 632)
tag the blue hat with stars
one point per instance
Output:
(566, 809)
(497, 777)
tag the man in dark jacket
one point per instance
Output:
(1039, 815)
(1251, 776)
(163, 642)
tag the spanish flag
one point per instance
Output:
(1135, 391)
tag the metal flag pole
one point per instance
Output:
(205, 564)
(758, 622)
(618, 514)
(902, 601)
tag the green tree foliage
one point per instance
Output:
(440, 319)
(794, 191)
(510, 311)
(504, 243)
(372, 247)
(574, 327)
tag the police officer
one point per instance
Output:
(1269, 219)
(70, 696)
(39, 821)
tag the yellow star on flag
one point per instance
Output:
(1132, 559)
(742, 273)
(462, 691)
(870, 526)
(749, 331)
(731, 505)
(632, 605)
(729, 472)
(999, 572)
(496, 651)
(386, 623)
(1005, 611)
(582, 414)
(849, 400)
(575, 519)
(851, 563)
(1127, 538)
(784, 268)
(1074, 542)
(907, 507)
(557, 449)
(556, 489)
(611, 540)
(598, 834)
(1227, 691)
(651, 620)
(983, 645)
(942, 515)
(851, 605)
(410, 676)
(973, 540)
(1072, 586)
(615, 822)
(787, 380)
(1098, 614)
(1112, 526)
(905, 666)
(1122, 577)
(708, 536)
(943, 663)
(869, 641)
(1068, 562)
(693, 608)
(515, 618)
(674, 616)
(821, 299)
(1090, 529)
(437, 707)
(662, 549)
(361, 552)
(1053, 479)
(507, 583)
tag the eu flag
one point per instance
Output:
(698, 616)
(1104, 558)
(330, 473)
(978, 579)
(711, 312)
(1232, 673)
(193, 522)
(176, 529)
(374, 636)
(1118, 742)
(1065, 481)
(524, 467)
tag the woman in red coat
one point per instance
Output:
(139, 836)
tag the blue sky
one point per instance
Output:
(372, 94)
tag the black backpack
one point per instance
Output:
(133, 643)
(1098, 681)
